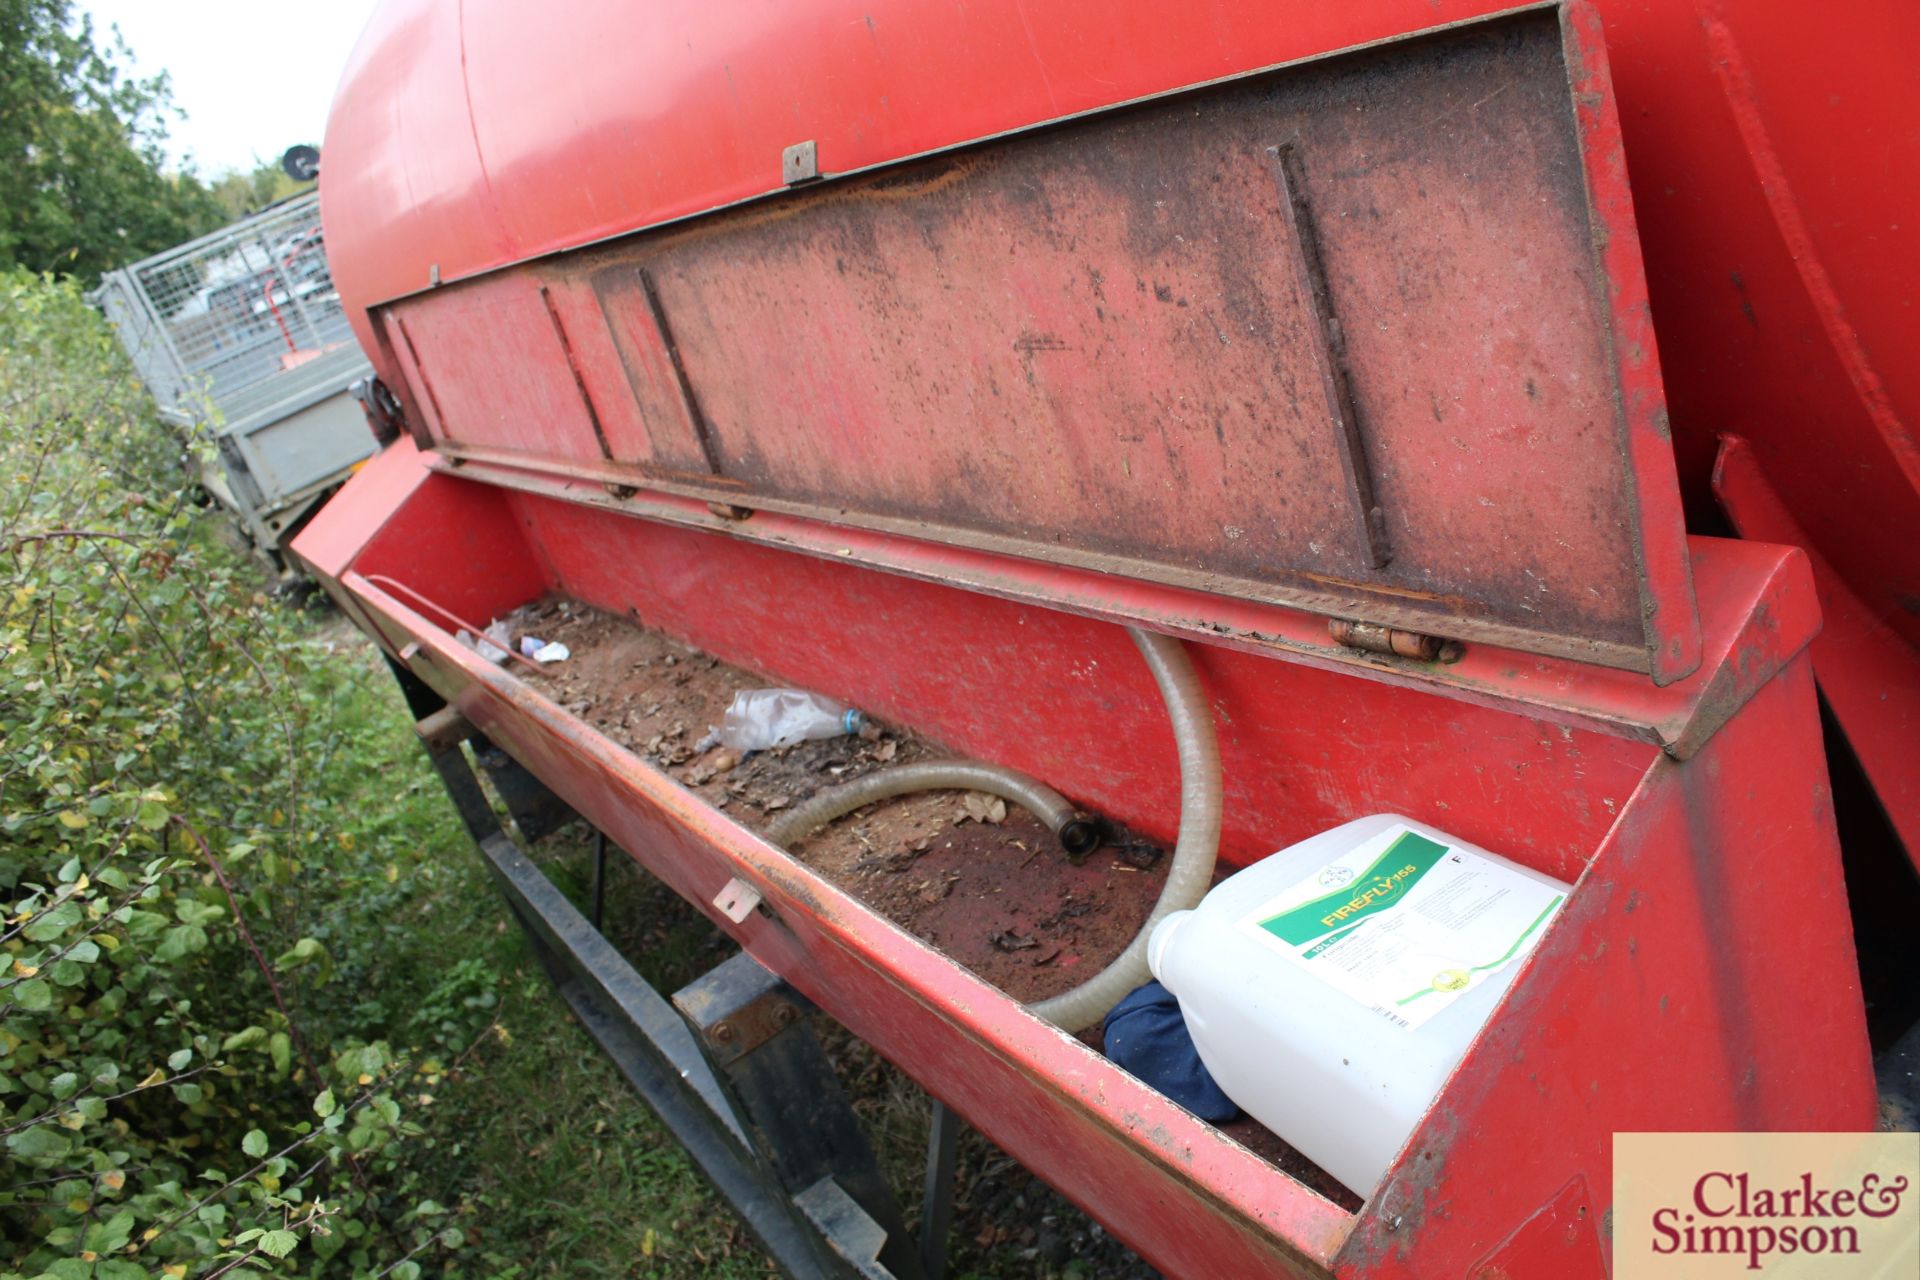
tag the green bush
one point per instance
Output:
(194, 1078)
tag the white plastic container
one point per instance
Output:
(1332, 987)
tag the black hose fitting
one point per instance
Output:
(1079, 836)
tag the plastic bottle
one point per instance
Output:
(762, 718)
(1332, 987)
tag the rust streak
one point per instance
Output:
(573, 367)
(701, 427)
(419, 368)
(1330, 352)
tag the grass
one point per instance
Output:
(551, 1164)
(568, 1176)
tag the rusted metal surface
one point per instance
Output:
(735, 1023)
(1374, 638)
(1377, 311)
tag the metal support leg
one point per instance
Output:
(755, 1029)
(535, 809)
(599, 879)
(936, 1210)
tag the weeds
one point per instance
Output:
(261, 1012)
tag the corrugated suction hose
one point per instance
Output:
(1077, 832)
(1193, 856)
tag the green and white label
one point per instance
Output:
(1406, 924)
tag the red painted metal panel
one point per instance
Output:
(1067, 697)
(1755, 601)
(459, 547)
(1772, 156)
(1562, 1239)
(1658, 540)
(625, 376)
(1129, 343)
(1555, 743)
(498, 371)
(328, 543)
(1701, 977)
(1869, 674)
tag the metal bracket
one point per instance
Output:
(790, 1097)
(800, 163)
(738, 1006)
(736, 900)
(444, 729)
(854, 1235)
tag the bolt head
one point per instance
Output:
(723, 1033)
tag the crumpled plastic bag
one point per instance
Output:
(493, 645)
(543, 651)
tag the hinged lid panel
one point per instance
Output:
(1366, 335)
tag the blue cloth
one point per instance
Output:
(1147, 1037)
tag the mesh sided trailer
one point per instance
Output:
(241, 339)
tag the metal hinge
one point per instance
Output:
(1374, 638)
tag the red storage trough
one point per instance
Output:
(910, 353)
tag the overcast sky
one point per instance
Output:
(254, 76)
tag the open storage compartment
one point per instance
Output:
(1342, 374)
(1648, 978)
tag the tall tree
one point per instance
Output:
(245, 192)
(83, 182)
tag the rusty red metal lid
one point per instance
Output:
(1367, 335)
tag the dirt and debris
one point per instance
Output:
(962, 871)
(984, 882)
